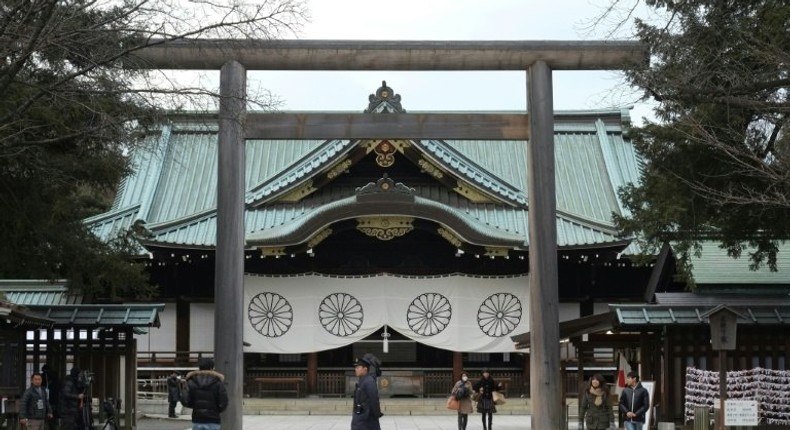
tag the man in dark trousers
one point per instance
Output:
(51, 384)
(173, 393)
(634, 402)
(72, 396)
(35, 408)
(206, 394)
(367, 409)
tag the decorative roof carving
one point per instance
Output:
(383, 186)
(384, 94)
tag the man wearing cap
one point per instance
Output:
(206, 394)
(367, 409)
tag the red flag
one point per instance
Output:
(622, 371)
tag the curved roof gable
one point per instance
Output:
(476, 189)
(294, 182)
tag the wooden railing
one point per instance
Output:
(155, 366)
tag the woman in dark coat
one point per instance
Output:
(485, 403)
(596, 409)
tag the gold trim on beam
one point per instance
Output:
(472, 194)
(371, 144)
(450, 237)
(496, 252)
(430, 168)
(385, 228)
(319, 237)
(272, 251)
(339, 168)
(299, 193)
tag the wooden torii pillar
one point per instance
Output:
(537, 58)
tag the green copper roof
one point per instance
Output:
(714, 266)
(173, 190)
(38, 292)
(646, 316)
(102, 315)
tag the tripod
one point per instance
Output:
(110, 423)
(109, 410)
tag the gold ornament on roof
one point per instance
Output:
(385, 228)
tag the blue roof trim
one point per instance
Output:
(456, 163)
(300, 230)
(297, 173)
(108, 225)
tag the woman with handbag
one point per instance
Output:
(596, 409)
(485, 404)
(462, 391)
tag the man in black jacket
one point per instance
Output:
(173, 394)
(206, 394)
(634, 402)
(72, 398)
(35, 405)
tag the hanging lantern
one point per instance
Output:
(386, 337)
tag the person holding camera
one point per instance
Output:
(72, 396)
(367, 409)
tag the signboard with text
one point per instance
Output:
(740, 413)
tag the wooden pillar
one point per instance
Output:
(130, 389)
(312, 373)
(543, 294)
(458, 365)
(229, 273)
(182, 332)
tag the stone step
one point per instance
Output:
(340, 406)
(343, 406)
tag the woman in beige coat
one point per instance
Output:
(462, 390)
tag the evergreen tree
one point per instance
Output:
(70, 113)
(717, 161)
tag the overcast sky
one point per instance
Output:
(449, 20)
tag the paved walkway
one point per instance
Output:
(339, 422)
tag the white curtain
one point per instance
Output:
(308, 313)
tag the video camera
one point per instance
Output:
(109, 406)
(85, 377)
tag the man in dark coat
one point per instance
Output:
(173, 393)
(51, 384)
(206, 394)
(35, 408)
(367, 409)
(634, 402)
(72, 396)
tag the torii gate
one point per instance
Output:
(537, 58)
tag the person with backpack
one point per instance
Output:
(462, 391)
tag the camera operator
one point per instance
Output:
(72, 397)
